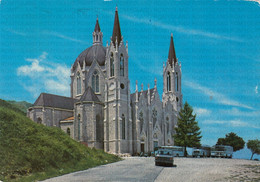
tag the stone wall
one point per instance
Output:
(65, 125)
(48, 116)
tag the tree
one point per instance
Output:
(188, 131)
(232, 140)
(254, 146)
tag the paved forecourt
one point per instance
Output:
(130, 169)
(144, 169)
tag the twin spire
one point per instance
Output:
(172, 55)
(97, 34)
(97, 27)
(117, 38)
(116, 35)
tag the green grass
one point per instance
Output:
(31, 151)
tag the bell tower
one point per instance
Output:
(118, 123)
(172, 79)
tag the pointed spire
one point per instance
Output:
(116, 30)
(97, 27)
(97, 34)
(172, 54)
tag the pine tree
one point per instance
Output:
(188, 131)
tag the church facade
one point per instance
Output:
(102, 112)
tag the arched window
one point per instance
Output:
(122, 65)
(78, 126)
(68, 131)
(96, 38)
(112, 70)
(95, 81)
(154, 117)
(78, 83)
(98, 129)
(141, 119)
(176, 83)
(39, 120)
(168, 81)
(123, 126)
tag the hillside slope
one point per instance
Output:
(28, 148)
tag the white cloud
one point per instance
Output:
(180, 29)
(258, 1)
(237, 123)
(14, 31)
(214, 122)
(56, 34)
(256, 89)
(45, 76)
(237, 112)
(201, 111)
(34, 68)
(217, 97)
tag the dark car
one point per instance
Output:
(164, 157)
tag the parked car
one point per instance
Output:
(164, 157)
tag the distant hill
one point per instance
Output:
(22, 105)
(39, 152)
(11, 106)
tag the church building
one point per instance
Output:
(102, 112)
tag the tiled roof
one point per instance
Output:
(70, 118)
(97, 52)
(55, 101)
(89, 95)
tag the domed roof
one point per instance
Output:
(96, 52)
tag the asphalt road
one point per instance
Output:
(144, 169)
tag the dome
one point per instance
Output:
(95, 52)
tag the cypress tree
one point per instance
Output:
(188, 132)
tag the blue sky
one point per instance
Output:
(217, 43)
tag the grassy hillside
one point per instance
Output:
(22, 105)
(31, 151)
